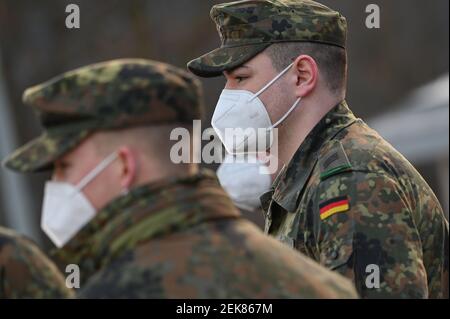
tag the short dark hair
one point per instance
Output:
(331, 60)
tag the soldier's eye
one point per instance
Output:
(239, 79)
(62, 166)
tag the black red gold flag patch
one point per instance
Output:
(334, 206)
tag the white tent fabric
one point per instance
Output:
(419, 127)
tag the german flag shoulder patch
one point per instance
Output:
(333, 206)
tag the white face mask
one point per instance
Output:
(245, 181)
(241, 120)
(66, 209)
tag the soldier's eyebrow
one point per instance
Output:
(235, 72)
(245, 66)
(239, 68)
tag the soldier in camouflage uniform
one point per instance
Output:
(343, 196)
(25, 271)
(172, 232)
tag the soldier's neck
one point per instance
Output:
(297, 127)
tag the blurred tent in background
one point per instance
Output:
(409, 50)
(15, 201)
(419, 128)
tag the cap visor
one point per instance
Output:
(222, 59)
(40, 154)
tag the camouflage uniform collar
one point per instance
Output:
(291, 181)
(146, 212)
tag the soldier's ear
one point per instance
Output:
(306, 74)
(129, 164)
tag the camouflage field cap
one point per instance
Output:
(247, 28)
(104, 96)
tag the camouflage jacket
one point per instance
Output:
(25, 272)
(182, 238)
(351, 202)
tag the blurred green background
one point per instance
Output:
(398, 75)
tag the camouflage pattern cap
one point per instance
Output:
(248, 27)
(104, 96)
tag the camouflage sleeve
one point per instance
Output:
(365, 231)
(25, 272)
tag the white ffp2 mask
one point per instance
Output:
(245, 181)
(241, 120)
(66, 209)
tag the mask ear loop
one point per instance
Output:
(97, 170)
(272, 82)
(286, 115)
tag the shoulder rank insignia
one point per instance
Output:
(334, 206)
(335, 161)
